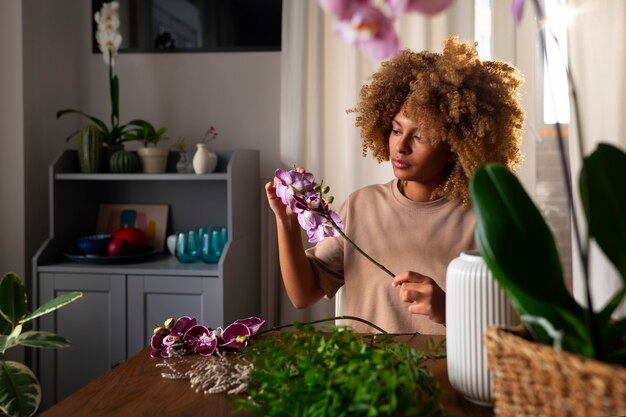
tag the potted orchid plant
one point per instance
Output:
(109, 40)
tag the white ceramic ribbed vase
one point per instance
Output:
(474, 301)
(204, 161)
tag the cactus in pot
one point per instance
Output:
(89, 149)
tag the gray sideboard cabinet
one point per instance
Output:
(123, 302)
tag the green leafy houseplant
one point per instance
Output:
(339, 373)
(520, 250)
(20, 393)
(144, 132)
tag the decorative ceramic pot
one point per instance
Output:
(204, 161)
(107, 153)
(474, 301)
(124, 162)
(153, 160)
(89, 149)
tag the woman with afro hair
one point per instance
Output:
(435, 117)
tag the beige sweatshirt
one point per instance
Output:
(402, 235)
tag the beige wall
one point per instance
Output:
(236, 92)
(12, 155)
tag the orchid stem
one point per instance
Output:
(581, 245)
(354, 245)
(284, 326)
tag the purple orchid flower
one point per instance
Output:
(312, 209)
(517, 9)
(370, 30)
(342, 9)
(426, 7)
(184, 335)
(201, 339)
(300, 192)
(254, 323)
(293, 183)
(168, 342)
(235, 336)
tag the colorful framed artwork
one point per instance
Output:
(150, 218)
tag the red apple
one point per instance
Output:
(135, 238)
(117, 247)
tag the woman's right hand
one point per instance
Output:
(281, 211)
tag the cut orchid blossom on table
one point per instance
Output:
(185, 335)
(178, 337)
(305, 197)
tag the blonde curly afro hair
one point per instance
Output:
(453, 97)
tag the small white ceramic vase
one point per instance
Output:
(474, 301)
(171, 243)
(204, 161)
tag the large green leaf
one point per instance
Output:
(101, 125)
(52, 305)
(603, 192)
(520, 250)
(41, 339)
(10, 340)
(13, 301)
(20, 393)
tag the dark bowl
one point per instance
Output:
(94, 244)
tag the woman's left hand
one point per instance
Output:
(425, 296)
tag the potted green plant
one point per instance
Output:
(153, 158)
(585, 357)
(20, 392)
(109, 40)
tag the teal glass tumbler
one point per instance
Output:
(206, 250)
(216, 243)
(187, 247)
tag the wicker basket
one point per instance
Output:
(531, 379)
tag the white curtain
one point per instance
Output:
(321, 79)
(598, 63)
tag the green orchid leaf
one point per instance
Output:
(516, 241)
(604, 315)
(520, 251)
(604, 199)
(13, 301)
(10, 340)
(41, 339)
(20, 393)
(101, 125)
(52, 305)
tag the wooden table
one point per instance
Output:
(135, 388)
